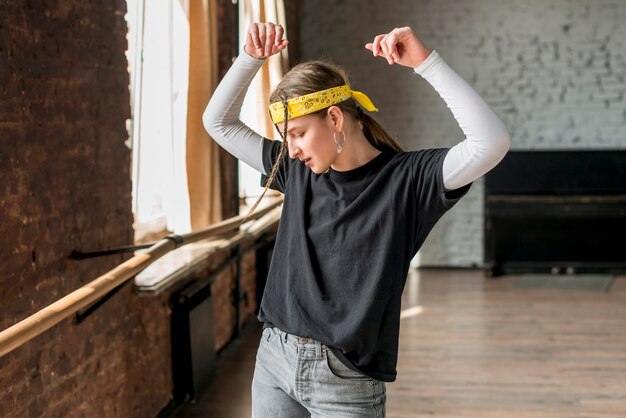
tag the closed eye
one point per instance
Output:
(297, 135)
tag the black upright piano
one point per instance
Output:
(556, 212)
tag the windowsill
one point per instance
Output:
(181, 262)
(175, 265)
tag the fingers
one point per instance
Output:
(391, 42)
(385, 48)
(269, 38)
(377, 40)
(390, 45)
(261, 31)
(384, 45)
(265, 39)
(279, 35)
(255, 36)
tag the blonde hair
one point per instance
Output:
(309, 77)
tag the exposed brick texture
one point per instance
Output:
(248, 288)
(66, 185)
(223, 300)
(553, 71)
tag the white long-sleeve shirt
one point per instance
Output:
(486, 138)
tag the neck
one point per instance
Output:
(357, 151)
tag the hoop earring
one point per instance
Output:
(339, 146)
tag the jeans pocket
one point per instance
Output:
(341, 371)
(267, 335)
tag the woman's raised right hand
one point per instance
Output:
(264, 40)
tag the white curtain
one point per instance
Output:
(160, 121)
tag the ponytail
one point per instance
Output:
(376, 134)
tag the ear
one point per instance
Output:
(335, 117)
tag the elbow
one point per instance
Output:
(214, 123)
(500, 145)
(504, 141)
(210, 120)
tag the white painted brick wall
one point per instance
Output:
(552, 69)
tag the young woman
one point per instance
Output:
(357, 208)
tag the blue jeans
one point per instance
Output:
(300, 377)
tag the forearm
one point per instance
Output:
(487, 139)
(221, 116)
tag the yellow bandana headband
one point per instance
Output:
(309, 103)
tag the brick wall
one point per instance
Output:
(65, 173)
(66, 185)
(553, 70)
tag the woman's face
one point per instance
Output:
(310, 137)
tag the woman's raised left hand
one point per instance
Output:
(400, 46)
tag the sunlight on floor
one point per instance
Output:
(414, 311)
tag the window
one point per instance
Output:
(158, 57)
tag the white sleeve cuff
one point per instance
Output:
(428, 65)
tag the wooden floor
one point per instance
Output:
(474, 347)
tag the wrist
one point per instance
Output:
(422, 56)
(245, 49)
(425, 68)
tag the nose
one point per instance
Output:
(293, 151)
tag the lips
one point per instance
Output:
(306, 161)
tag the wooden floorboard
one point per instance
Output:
(475, 347)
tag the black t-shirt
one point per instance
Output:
(343, 248)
